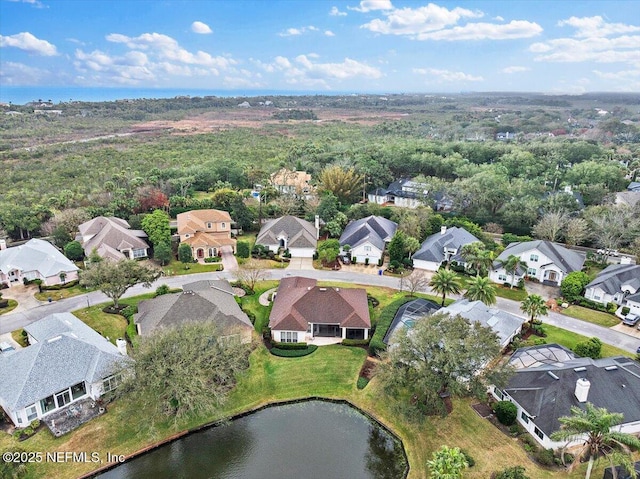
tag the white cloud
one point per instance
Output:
(515, 69)
(416, 21)
(485, 31)
(442, 76)
(199, 27)
(16, 74)
(329, 33)
(291, 32)
(29, 43)
(370, 5)
(129, 69)
(593, 41)
(35, 3)
(335, 12)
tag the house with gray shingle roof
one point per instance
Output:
(368, 237)
(302, 310)
(66, 361)
(300, 237)
(442, 247)
(544, 393)
(505, 325)
(35, 259)
(547, 262)
(199, 301)
(614, 284)
(112, 238)
(403, 192)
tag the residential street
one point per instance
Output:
(15, 320)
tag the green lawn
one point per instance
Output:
(10, 306)
(176, 268)
(596, 317)
(57, 294)
(514, 294)
(112, 326)
(569, 340)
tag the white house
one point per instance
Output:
(614, 284)
(546, 392)
(367, 238)
(66, 362)
(442, 247)
(288, 232)
(36, 259)
(404, 192)
(633, 303)
(547, 262)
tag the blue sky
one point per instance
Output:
(383, 46)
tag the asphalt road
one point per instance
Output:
(12, 321)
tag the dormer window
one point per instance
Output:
(209, 225)
(223, 225)
(187, 235)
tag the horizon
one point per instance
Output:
(367, 46)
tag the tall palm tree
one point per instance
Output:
(476, 256)
(445, 282)
(481, 289)
(511, 266)
(535, 307)
(593, 427)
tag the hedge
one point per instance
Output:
(355, 342)
(289, 346)
(384, 322)
(293, 353)
(56, 287)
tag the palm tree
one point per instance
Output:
(481, 289)
(476, 256)
(593, 427)
(511, 266)
(445, 282)
(534, 306)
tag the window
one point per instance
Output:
(533, 257)
(367, 248)
(596, 297)
(110, 383)
(531, 271)
(502, 277)
(32, 412)
(538, 432)
(209, 225)
(78, 391)
(63, 397)
(187, 235)
(223, 225)
(524, 417)
(498, 393)
(289, 337)
(139, 253)
(47, 404)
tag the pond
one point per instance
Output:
(306, 439)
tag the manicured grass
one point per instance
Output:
(19, 338)
(591, 316)
(176, 268)
(251, 303)
(57, 294)
(331, 372)
(10, 306)
(569, 340)
(514, 294)
(108, 325)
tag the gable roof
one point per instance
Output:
(634, 186)
(195, 220)
(110, 235)
(615, 385)
(35, 255)
(300, 233)
(200, 301)
(565, 259)
(67, 352)
(299, 301)
(613, 277)
(432, 249)
(504, 324)
(374, 229)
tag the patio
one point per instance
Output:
(323, 341)
(73, 416)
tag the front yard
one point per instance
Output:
(591, 316)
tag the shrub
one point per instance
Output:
(573, 284)
(366, 261)
(132, 332)
(35, 424)
(362, 382)
(293, 353)
(74, 251)
(384, 321)
(55, 287)
(129, 311)
(516, 472)
(4, 303)
(591, 348)
(587, 303)
(470, 460)
(242, 249)
(625, 310)
(162, 289)
(213, 259)
(506, 412)
(611, 308)
(289, 346)
(545, 457)
(355, 342)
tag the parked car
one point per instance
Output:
(609, 252)
(631, 319)
(6, 347)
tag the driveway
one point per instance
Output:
(24, 295)
(546, 292)
(300, 264)
(229, 261)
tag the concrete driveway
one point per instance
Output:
(546, 292)
(24, 295)
(300, 264)
(229, 261)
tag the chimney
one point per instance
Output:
(443, 230)
(582, 389)
(3, 244)
(317, 226)
(121, 344)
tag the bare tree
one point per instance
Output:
(576, 232)
(550, 226)
(416, 281)
(612, 226)
(251, 272)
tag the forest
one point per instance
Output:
(537, 165)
